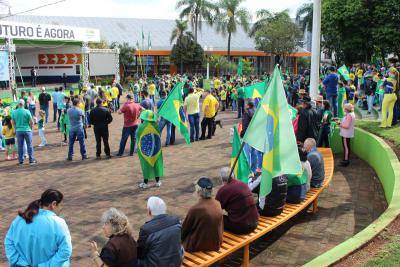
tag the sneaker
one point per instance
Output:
(143, 185)
(9, 158)
(108, 157)
(20, 163)
(158, 184)
(69, 159)
(85, 157)
(41, 145)
(2, 149)
(33, 162)
(98, 158)
(15, 157)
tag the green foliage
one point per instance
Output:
(392, 134)
(305, 16)
(187, 52)
(197, 11)
(304, 63)
(103, 44)
(179, 31)
(231, 16)
(278, 36)
(247, 67)
(263, 17)
(355, 29)
(390, 256)
(126, 57)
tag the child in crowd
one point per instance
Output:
(8, 132)
(64, 125)
(41, 122)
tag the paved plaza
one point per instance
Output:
(354, 199)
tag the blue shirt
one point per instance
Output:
(46, 242)
(331, 83)
(75, 118)
(60, 100)
(160, 102)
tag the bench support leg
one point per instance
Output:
(246, 255)
(315, 206)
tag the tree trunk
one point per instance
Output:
(229, 46)
(196, 23)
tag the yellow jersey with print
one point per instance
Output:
(152, 89)
(7, 132)
(114, 92)
(211, 102)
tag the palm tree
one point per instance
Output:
(305, 16)
(178, 32)
(196, 11)
(232, 16)
(263, 17)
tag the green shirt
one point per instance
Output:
(240, 93)
(40, 124)
(22, 118)
(327, 117)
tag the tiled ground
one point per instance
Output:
(90, 187)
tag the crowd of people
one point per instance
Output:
(39, 236)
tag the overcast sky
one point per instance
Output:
(162, 9)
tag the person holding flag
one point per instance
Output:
(148, 142)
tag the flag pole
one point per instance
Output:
(236, 160)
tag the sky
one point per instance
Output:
(156, 9)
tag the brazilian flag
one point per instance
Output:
(172, 110)
(344, 72)
(149, 149)
(271, 132)
(255, 91)
(242, 168)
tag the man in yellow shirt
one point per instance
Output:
(192, 109)
(114, 96)
(209, 109)
(152, 90)
(217, 83)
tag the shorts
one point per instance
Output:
(10, 141)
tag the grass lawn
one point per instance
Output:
(392, 134)
(389, 256)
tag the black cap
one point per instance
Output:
(306, 99)
(205, 182)
(129, 96)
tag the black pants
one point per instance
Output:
(207, 123)
(101, 133)
(238, 228)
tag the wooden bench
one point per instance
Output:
(232, 242)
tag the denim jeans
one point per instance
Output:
(32, 110)
(163, 122)
(234, 104)
(54, 112)
(73, 134)
(24, 136)
(333, 101)
(194, 122)
(252, 156)
(115, 104)
(370, 102)
(59, 116)
(45, 108)
(126, 132)
(240, 107)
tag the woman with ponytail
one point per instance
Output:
(38, 237)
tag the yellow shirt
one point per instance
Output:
(212, 103)
(114, 92)
(108, 95)
(192, 104)
(222, 94)
(217, 83)
(81, 105)
(359, 73)
(7, 132)
(352, 76)
(152, 89)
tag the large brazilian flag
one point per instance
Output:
(255, 91)
(149, 150)
(172, 110)
(271, 132)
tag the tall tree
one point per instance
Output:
(305, 16)
(196, 11)
(231, 16)
(178, 32)
(186, 52)
(279, 36)
(126, 57)
(263, 17)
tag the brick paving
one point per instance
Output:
(90, 187)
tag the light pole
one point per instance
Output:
(316, 49)
(208, 64)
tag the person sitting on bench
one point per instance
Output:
(299, 184)
(272, 204)
(237, 200)
(203, 228)
(316, 162)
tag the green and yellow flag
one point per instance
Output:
(172, 110)
(271, 132)
(149, 148)
(242, 168)
(255, 90)
(292, 112)
(344, 72)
